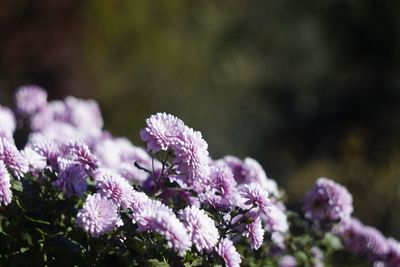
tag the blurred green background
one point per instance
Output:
(308, 88)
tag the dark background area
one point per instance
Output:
(308, 88)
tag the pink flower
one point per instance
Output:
(156, 217)
(161, 131)
(255, 233)
(254, 195)
(201, 228)
(5, 186)
(116, 188)
(30, 99)
(12, 158)
(228, 252)
(98, 215)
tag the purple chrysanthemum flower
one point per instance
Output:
(161, 131)
(237, 167)
(120, 155)
(201, 228)
(71, 178)
(12, 158)
(36, 162)
(328, 200)
(254, 172)
(393, 256)
(116, 188)
(221, 192)
(54, 111)
(84, 114)
(156, 217)
(376, 246)
(49, 150)
(139, 199)
(164, 132)
(5, 186)
(351, 232)
(228, 252)
(254, 195)
(98, 215)
(30, 99)
(61, 133)
(81, 155)
(191, 157)
(7, 122)
(278, 242)
(362, 239)
(287, 261)
(276, 220)
(255, 233)
(250, 171)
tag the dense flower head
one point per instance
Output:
(227, 251)
(120, 155)
(255, 233)
(201, 228)
(7, 122)
(54, 111)
(276, 220)
(362, 239)
(351, 232)
(167, 132)
(82, 155)
(30, 99)
(191, 156)
(12, 158)
(5, 186)
(156, 217)
(161, 131)
(47, 149)
(287, 261)
(37, 163)
(221, 192)
(84, 114)
(237, 167)
(254, 195)
(376, 245)
(98, 215)
(393, 256)
(116, 188)
(71, 178)
(328, 201)
(72, 119)
(255, 173)
(60, 133)
(139, 200)
(250, 171)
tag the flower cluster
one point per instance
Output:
(171, 197)
(328, 201)
(368, 241)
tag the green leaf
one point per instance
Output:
(301, 256)
(195, 262)
(41, 233)
(332, 241)
(157, 263)
(37, 220)
(17, 185)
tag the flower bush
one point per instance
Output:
(72, 194)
